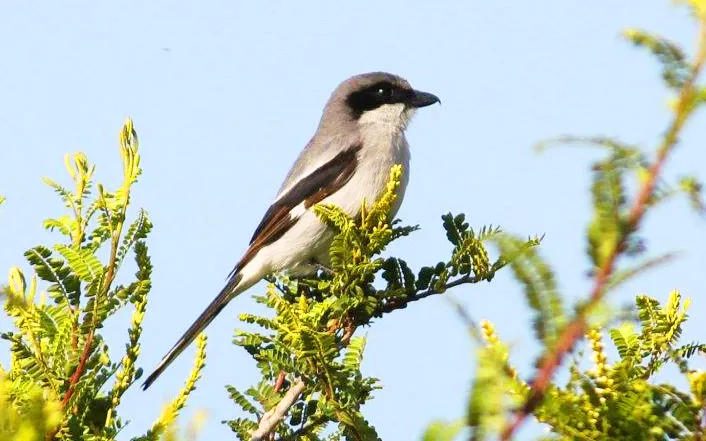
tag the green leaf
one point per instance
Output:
(242, 401)
(622, 276)
(688, 350)
(356, 426)
(398, 276)
(354, 354)
(541, 290)
(609, 205)
(443, 431)
(424, 277)
(66, 284)
(62, 223)
(693, 188)
(242, 427)
(138, 230)
(455, 227)
(675, 69)
(625, 340)
(486, 407)
(67, 196)
(82, 261)
(629, 156)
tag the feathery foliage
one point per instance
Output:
(623, 400)
(61, 382)
(606, 401)
(311, 338)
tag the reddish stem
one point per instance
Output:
(577, 327)
(280, 380)
(79, 370)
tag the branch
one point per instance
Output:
(107, 282)
(576, 328)
(79, 370)
(402, 302)
(110, 276)
(73, 381)
(271, 418)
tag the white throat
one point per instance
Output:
(384, 145)
(386, 118)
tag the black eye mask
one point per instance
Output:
(375, 96)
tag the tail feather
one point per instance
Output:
(216, 306)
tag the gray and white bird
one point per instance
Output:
(348, 160)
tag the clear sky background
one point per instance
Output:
(224, 94)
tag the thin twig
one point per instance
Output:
(576, 328)
(466, 319)
(270, 419)
(402, 302)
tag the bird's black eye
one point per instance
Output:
(385, 93)
(373, 97)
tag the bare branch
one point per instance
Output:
(269, 420)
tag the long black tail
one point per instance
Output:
(226, 295)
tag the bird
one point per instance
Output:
(360, 136)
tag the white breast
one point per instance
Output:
(370, 180)
(384, 145)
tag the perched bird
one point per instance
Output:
(359, 138)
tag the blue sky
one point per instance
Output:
(224, 94)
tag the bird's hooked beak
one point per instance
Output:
(422, 99)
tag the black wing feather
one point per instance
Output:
(313, 188)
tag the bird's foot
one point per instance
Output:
(324, 269)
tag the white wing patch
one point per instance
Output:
(298, 211)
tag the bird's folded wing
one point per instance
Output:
(308, 191)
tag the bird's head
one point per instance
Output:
(377, 99)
